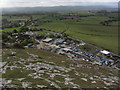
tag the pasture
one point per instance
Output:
(87, 28)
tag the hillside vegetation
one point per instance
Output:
(40, 69)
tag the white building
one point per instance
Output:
(47, 40)
(105, 52)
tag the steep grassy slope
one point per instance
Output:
(43, 68)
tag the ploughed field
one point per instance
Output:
(37, 68)
(88, 28)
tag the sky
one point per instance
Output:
(34, 3)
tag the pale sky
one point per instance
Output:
(33, 3)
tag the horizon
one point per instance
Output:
(53, 3)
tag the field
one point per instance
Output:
(87, 28)
(42, 68)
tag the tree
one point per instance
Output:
(34, 29)
(15, 31)
(24, 28)
(31, 18)
(50, 35)
(24, 42)
(9, 37)
(17, 45)
(4, 45)
(65, 34)
(4, 35)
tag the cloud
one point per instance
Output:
(33, 3)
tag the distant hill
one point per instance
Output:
(112, 5)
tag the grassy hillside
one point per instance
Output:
(43, 68)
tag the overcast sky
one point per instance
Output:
(33, 3)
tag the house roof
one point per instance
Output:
(60, 41)
(105, 52)
(47, 39)
(66, 49)
(82, 43)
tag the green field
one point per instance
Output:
(87, 29)
(11, 29)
